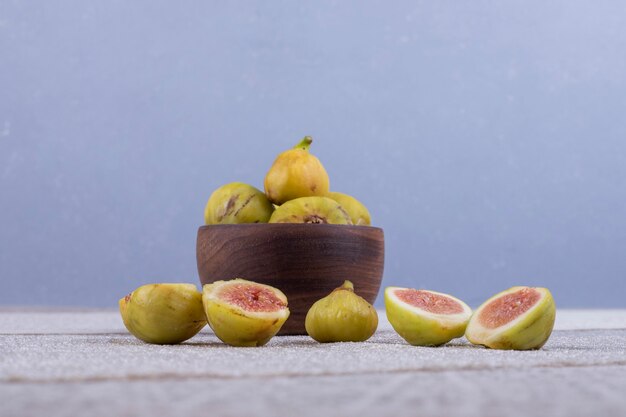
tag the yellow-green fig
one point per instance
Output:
(296, 173)
(519, 318)
(425, 318)
(341, 316)
(244, 313)
(357, 210)
(236, 203)
(163, 313)
(321, 210)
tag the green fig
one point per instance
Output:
(236, 203)
(357, 211)
(296, 173)
(163, 313)
(341, 316)
(311, 210)
(519, 318)
(425, 318)
(244, 313)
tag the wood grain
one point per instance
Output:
(305, 261)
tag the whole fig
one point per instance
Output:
(357, 210)
(341, 316)
(317, 210)
(296, 173)
(236, 203)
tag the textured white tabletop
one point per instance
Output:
(67, 363)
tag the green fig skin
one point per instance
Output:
(242, 326)
(529, 331)
(163, 314)
(237, 203)
(359, 214)
(341, 316)
(315, 210)
(296, 173)
(422, 328)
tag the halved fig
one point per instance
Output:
(163, 314)
(426, 318)
(519, 318)
(244, 313)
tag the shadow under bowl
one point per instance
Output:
(305, 261)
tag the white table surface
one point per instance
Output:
(83, 362)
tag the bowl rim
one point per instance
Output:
(294, 226)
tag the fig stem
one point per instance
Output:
(347, 285)
(304, 143)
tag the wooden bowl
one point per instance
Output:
(305, 261)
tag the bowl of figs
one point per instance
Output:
(296, 236)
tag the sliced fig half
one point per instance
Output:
(244, 313)
(163, 313)
(426, 318)
(519, 318)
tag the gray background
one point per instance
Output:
(487, 138)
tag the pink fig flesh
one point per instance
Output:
(250, 297)
(507, 308)
(428, 301)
